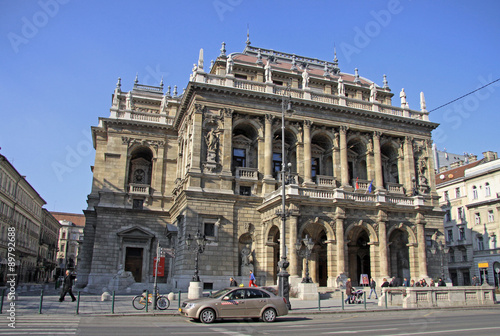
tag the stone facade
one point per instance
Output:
(26, 226)
(361, 182)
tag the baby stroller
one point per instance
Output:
(357, 296)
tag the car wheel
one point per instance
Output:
(269, 315)
(207, 315)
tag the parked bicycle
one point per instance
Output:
(139, 301)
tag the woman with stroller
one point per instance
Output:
(348, 291)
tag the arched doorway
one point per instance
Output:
(273, 253)
(399, 256)
(318, 261)
(359, 254)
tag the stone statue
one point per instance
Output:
(129, 103)
(423, 106)
(369, 146)
(212, 140)
(341, 87)
(373, 93)
(402, 95)
(268, 72)
(246, 256)
(305, 78)
(229, 65)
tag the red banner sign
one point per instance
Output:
(161, 267)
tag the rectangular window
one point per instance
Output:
(138, 204)
(457, 192)
(240, 76)
(245, 190)
(239, 157)
(461, 233)
(480, 244)
(464, 256)
(447, 216)
(460, 213)
(315, 167)
(446, 196)
(209, 229)
(491, 216)
(477, 218)
(450, 235)
(276, 164)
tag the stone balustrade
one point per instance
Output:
(437, 297)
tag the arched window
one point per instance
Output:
(140, 166)
(474, 192)
(487, 190)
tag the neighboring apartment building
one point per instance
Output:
(70, 239)
(361, 182)
(470, 198)
(23, 220)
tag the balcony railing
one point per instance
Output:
(395, 188)
(322, 180)
(247, 173)
(484, 253)
(139, 189)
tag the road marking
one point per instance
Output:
(428, 314)
(356, 331)
(474, 330)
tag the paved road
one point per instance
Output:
(417, 322)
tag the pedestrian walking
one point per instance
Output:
(252, 280)
(373, 285)
(67, 286)
(232, 282)
(348, 291)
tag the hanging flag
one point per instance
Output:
(369, 189)
(356, 187)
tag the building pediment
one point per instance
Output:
(135, 232)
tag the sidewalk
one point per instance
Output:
(89, 304)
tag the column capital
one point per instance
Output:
(344, 129)
(377, 135)
(199, 108)
(269, 118)
(308, 123)
(227, 112)
(408, 139)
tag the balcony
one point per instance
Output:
(395, 188)
(139, 189)
(244, 173)
(485, 253)
(328, 181)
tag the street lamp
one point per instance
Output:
(308, 242)
(442, 249)
(283, 275)
(200, 241)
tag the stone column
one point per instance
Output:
(409, 170)
(293, 268)
(198, 139)
(307, 151)
(227, 146)
(344, 168)
(382, 247)
(422, 256)
(339, 232)
(430, 165)
(379, 180)
(268, 150)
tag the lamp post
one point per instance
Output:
(200, 241)
(442, 250)
(283, 275)
(308, 242)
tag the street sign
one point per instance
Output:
(483, 265)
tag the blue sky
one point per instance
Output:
(60, 60)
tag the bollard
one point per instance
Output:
(179, 300)
(78, 304)
(319, 301)
(385, 295)
(364, 299)
(113, 304)
(1, 300)
(147, 300)
(342, 300)
(41, 302)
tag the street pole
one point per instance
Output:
(155, 290)
(283, 275)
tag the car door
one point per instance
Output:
(233, 304)
(256, 300)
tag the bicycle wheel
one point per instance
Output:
(162, 303)
(139, 302)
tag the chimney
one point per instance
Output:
(490, 156)
(443, 169)
(472, 158)
(455, 164)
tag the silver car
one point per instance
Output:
(236, 302)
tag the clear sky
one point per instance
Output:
(60, 60)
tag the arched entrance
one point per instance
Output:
(273, 253)
(399, 256)
(359, 254)
(318, 261)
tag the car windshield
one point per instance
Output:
(220, 293)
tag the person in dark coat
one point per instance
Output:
(441, 282)
(385, 283)
(232, 282)
(67, 286)
(348, 291)
(373, 285)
